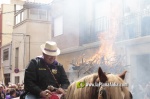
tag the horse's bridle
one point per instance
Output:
(102, 93)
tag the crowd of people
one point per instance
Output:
(42, 71)
(11, 91)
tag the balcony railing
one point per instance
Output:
(131, 26)
(95, 28)
(136, 25)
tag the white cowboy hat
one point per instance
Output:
(50, 48)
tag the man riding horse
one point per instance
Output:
(44, 71)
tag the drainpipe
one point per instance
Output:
(29, 46)
(10, 56)
(24, 49)
(24, 59)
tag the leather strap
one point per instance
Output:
(53, 76)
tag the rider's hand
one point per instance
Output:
(45, 93)
(60, 91)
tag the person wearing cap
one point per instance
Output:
(44, 71)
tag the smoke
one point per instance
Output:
(132, 32)
(139, 75)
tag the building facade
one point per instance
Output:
(82, 29)
(7, 22)
(82, 24)
(6, 28)
(32, 28)
(6, 68)
(83, 21)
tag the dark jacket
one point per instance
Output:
(2, 95)
(38, 76)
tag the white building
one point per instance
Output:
(6, 69)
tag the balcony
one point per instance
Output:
(95, 28)
(136, 25)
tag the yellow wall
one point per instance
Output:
(7, 23)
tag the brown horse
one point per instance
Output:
(104, 91)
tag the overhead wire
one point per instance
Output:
(20, 41)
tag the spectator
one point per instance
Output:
(2, 94)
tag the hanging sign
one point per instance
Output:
(16, 70)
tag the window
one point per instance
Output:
(49, 16)
(42, 14)
(102, 12)
(7, 78)
(22, 16)
(16, 57)
(38, 14)
(145, 30)
(17, 78)
(34, 13)
(101, 24)
(142, 67)
(58, 26)
(130, 26)
(17, 18)
(5, 54)
(18, 7)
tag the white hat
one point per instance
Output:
(50, 48)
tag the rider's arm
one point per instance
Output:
(63, 78)
(30, 79)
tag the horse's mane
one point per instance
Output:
(92, 92)
(83, 93)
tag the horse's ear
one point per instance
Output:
(103, 78)
(122, 76)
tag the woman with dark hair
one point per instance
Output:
(12, 94)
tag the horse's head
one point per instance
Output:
(113, 86)
(78, 89)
